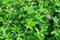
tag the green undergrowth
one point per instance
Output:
(29, 19)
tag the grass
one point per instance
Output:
(29, 20)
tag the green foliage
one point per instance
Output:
(29, 19)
